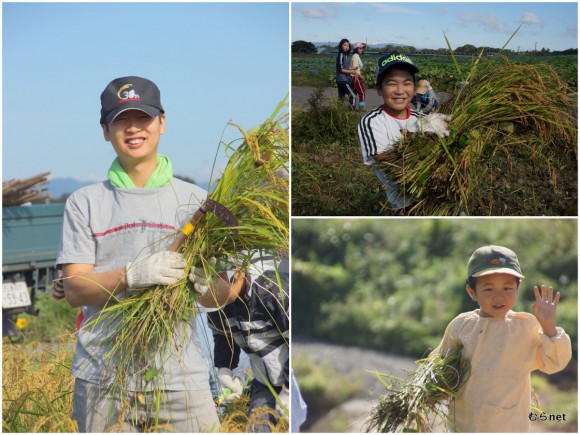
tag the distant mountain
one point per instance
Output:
(59, 186)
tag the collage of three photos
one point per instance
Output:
(290, 217)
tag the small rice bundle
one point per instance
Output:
(145, 324)
(414, 404)
(507, 108)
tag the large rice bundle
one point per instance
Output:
(414, 405)
(249, 189)
(506, 110)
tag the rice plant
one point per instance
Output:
(415, 404)
(505, 110)
(249, 215)
(37, 387)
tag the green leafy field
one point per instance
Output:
(319, 69)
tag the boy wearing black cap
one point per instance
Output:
(502, 346)
(110, 243)
(380, 129)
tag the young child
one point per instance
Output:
(380, 129)
(425, 99)
(502, 346)
(357, 78)
(343, 71)
(257, 323)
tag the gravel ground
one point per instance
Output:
(354, 363)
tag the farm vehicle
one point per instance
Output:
(30, 237)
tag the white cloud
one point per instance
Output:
(384, 8)
(531, 18)
(489, 21)
(321, 12)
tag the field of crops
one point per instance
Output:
(512, 121)
(316, 70)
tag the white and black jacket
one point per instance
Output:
(258, 323)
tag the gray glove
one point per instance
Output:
(163, 268)
(234, 383)
(201, 281)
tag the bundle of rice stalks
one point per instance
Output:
(415, 404)
(247, 213)
(507, 109)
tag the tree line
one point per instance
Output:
(305, 47)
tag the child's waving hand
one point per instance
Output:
(545, 309)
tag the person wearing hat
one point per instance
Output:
(381, 129)
(357, 78)
(425, 100)
(343, 72)
(502, 346)
(114, 239)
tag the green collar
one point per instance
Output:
(162, 175)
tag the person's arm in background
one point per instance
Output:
(226, 353)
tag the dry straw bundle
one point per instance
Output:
(505, 110)
(415, 404)
(251, 189)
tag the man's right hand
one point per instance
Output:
(162, 268)
(234, 383)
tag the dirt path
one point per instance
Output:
(353, 362)
(300, 94)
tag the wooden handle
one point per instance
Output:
(186, 230)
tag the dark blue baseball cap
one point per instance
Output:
(130, 93)
(392, 59)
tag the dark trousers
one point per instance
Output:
(346, 89)
(262, 397)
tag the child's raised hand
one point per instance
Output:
(545, 309)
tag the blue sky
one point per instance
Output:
(423, 25)
(213, 62)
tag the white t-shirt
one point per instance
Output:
(108, 227)
(379, 132)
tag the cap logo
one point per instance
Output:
(500, 260)
(126, 94)
(396, 57)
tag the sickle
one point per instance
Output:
(209, 205)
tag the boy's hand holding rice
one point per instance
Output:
(200, 279)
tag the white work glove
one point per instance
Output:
(201, 281)
(163, 268)
(436, 123)
(234, 383)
